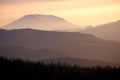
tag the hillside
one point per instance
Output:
(72, 44)
(29, 54)
(79, 62)
(109, 31)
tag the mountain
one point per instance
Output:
(72, 44)
(41, 22)
(109, 31)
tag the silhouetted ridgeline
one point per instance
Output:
(26, 70)
(70, 44)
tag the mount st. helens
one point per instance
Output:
(41, 22)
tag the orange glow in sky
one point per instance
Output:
(80, 12)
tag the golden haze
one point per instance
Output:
(80, 12)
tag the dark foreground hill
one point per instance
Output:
(16, 69)
(72, 44)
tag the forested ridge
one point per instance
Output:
(28, 70)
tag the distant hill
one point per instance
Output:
(72, 44)
(29, 54)
(109, 31)
(48, 56)
(79, 62)
(41, 22)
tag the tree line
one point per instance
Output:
(17, 69)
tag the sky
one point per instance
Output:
(79, 12)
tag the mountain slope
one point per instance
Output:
(80, 62)
(110, 31)
(72, 44)
(29, 54)
(41, 22)
(48, 56)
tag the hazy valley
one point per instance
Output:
(37, 43)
